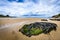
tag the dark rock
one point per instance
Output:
(45, 26)
(55, 19)
(44, 20)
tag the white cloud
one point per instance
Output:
(40, 7)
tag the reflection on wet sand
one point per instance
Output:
(11, 32)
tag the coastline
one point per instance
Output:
(14, 26)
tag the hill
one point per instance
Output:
(56, 16)
(4, 15)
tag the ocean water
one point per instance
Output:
(34, 17)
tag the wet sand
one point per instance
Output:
(9, 29)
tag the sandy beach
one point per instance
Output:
(9, 29)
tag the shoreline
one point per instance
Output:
(12, 33)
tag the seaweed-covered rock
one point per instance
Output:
(44, 20)
(58, 19)
(37, 28)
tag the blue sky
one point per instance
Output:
(45, 8)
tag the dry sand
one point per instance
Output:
(9, 29)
